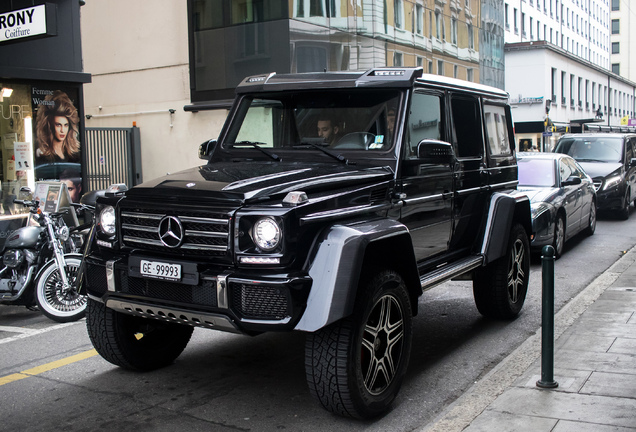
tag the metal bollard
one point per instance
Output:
(547, 319)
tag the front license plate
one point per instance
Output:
(160, 270)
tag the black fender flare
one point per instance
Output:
(337, 260)
(503, 210)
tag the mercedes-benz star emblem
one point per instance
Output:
(170, 231)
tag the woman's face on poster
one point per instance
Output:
(60, 124)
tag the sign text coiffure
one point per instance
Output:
(23, 23)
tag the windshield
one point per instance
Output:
(592, 149)
(536, 172)
(357, 120)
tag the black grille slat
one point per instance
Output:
(204, 233)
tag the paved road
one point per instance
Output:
(225, 382)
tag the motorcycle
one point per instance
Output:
(31, 261)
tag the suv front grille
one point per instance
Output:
(203, 234)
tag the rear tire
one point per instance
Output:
(500, 288)
(355, 366)
(132, 342)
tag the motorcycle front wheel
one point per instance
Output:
(54, 302)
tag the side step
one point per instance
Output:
(449, 271)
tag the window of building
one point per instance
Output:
(471, 36)
(430, 24)
(523, 24)
(398, 9)
(615, 47)
(531, 29)
(430, 66)
(514, 20)
(616, 26)
(397, 59)
(419, 61)
(563, 82)
(440, 67)
(455, 71)
(506, 19)
(454, 31)
(419, 19)
(438, 25)
(553, 84)
(572, 90)
(616, 5)
(616, 68)
(470, 75)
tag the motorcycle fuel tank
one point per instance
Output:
(25, 237)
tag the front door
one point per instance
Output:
(426, 188)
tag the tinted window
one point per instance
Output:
(467, 126)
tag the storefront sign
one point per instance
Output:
(23, 23)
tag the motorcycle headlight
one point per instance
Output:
(267, 234)
(611, 182)
(63, 233)
(107, 220)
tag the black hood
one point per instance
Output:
(244, 181)
(600, 169)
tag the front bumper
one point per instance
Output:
(222, 299)
(610, 199)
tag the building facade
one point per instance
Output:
(623, 39)
(42, 79)
(559, 69)
(553, 92)
(176, 77)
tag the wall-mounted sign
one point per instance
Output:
(23, 23)
(527, 100)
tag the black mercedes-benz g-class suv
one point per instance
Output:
(329, 203)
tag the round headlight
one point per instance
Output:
(63, 233)
(266, 233)
(107, 220)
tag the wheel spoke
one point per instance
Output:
(383, 334)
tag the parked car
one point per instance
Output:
(328, 204)
(609, 159)
(562, 197)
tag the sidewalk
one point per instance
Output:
(594, 365)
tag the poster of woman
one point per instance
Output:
(56, 132)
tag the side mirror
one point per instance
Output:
(206, 149)
(436, 152)
(632, 163)
(572, 181)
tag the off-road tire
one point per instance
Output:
(132, 342)
(500, 288)
(337, 360)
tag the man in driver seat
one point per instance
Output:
(328, 129)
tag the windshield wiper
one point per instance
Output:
(257, 145)
(316, 143)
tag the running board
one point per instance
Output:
(449, 271)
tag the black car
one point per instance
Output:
(562, 197)
(609, 159)
(328, 204)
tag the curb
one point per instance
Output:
(460, 414)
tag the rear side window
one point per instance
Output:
(467, 126)
(497, 130)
